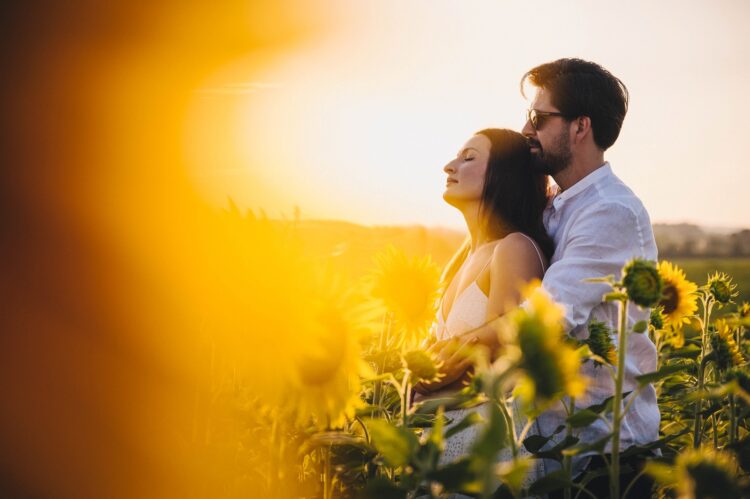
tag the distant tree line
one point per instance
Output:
(687, 240)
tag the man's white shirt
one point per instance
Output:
(598, 225)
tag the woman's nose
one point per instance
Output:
(450, 167)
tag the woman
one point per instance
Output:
(502, 200)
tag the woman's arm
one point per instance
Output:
(514, 263)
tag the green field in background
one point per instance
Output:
(697, 270)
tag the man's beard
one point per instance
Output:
(554, 159)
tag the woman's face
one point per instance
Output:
(466, 172)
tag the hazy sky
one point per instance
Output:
(357, 123)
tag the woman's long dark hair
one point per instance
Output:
(514, 195)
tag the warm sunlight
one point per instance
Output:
(357, 123)
(241, 257)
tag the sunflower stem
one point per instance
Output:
(697, 419)
(732, 423)
(707, 302)
(501, 403)
(715, 429)
(327, 482)
(567, 459)
(405, 395)
(614, 475)
(273, 455)
(377, 394)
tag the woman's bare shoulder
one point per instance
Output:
(515, 243)
(516, 249)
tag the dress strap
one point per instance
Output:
(486, 264)
(536, 248)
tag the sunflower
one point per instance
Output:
(325, 384)
(725, 347)
(674, 336)
(721, 288)
(742, 316)
(257, 305)
(743, 310)
(408, 288)
(423, 366)
(550, 366)
(699, 473)
(707, 473)
(679, 301)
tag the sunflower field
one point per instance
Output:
(314, 347)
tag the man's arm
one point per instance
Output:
(599, 243)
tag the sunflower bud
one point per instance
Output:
(386, 362)
(642, 282)
(600, 342)
(721, 287)
(725, 347)
(422, 365)
(743, 310)
(656, 319)
(550, 365)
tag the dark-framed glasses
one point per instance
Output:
(536, 118)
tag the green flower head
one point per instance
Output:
(656, 320)
(600, 342)
(722, 288)
(642, 282)
(550, 365)
(422, 365)
(387, 362)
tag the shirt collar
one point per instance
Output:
(592, 178)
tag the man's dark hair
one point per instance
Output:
(583, 88)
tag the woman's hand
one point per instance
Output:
(455, 355)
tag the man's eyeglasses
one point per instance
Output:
(536, 118)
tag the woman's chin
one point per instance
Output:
(451, 198)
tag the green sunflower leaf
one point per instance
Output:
(395, 444)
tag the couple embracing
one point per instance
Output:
(588, 225)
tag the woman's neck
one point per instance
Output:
(478, 229)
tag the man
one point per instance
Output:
(598, 225)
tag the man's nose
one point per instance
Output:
(528, 130)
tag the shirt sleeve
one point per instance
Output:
(599, 243)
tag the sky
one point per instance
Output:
(357, 122)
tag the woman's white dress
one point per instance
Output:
(469, 311)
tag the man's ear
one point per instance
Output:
(582, 127)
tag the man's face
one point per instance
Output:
(549, 141)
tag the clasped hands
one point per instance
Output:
(455, 355)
